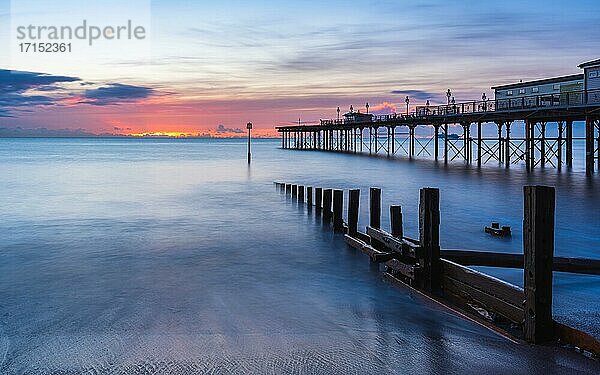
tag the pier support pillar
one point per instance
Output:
(507, 150)
(436, 143)
(560, 125)
(479, 140)
(499, 124)
(393, 140)
(543, 143)
(446, 143)
(569, 146)
(589, 145)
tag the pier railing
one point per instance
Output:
(443, 276)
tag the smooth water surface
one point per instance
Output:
(141, 256)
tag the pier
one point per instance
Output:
(538, 115)
(443, 276)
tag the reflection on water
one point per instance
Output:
(174, 256)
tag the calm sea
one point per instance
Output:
(142, 256)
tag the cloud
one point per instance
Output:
(43, 132)
(417, 94)
(222, 129)
(16, 89)
(116, 93)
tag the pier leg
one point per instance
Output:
(429, 237)
(396, 221)
(569, 145)
(338, 209)
(499, 142)
(507, 150)
(361, 139)
(560, 125)
(393, 140)
(589, 146)
(375, 207)
(465, 142)
(436, 144)
(543, 144)
(538, 249)
(376, 139)
(479, 140)
(353, 210)
(446, 143)
(389, 135)
(370, 139)
(327, 197)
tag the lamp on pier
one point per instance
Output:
(427, 106)
(338, 113)
(448, 95)
(367, 107)
(407, 101)
(351, 108)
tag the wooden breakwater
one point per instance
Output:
(442, 275)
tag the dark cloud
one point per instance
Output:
(222, 129)
(116, 93)
(15, 85)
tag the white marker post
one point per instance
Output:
(249, 127)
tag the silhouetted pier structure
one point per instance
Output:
(550, 110)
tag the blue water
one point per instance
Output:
(140, 256)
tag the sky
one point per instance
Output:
(208, 68)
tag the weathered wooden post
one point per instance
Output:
(429, 237)
(301, 193)
(327, 196)
(396, 221)
(319, 198)
(338, 210)
(294, 190)
(538, 248)
(309, 196)
(353, 209)
(288, 189)
(375, 208)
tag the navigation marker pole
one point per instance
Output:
(249, 127)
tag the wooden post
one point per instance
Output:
(353, 209)
(396, 221)
(301, 193)
(327, 196)
(375, 207)
(309, 196)
(429, 237)
(319, 198)
(338, 210)
(538, 248)
(288, 189)
(294, 190)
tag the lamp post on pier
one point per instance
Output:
(338, 113)
(407, 101)
(249, 127)
(367, 108)
(448, 95)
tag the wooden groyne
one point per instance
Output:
(442, 275)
